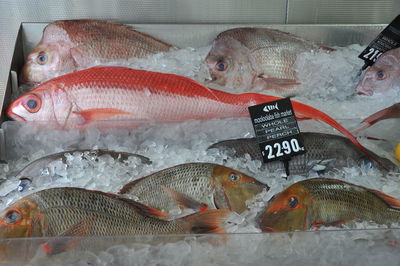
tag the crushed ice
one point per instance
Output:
(328, 81)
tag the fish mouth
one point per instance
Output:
(14, 116)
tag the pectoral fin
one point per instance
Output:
(60, 244)
(184, 201)
(100, 113)
(80, 59)
(207, 222)
(276, 83)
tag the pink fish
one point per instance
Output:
(69, 45)
(383, 75)
(81, 98)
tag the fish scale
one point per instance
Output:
(193, 179)
(340, 201)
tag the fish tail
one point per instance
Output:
(207, 222)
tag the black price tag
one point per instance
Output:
(388, 39)
(276, 129)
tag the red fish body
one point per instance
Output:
(116, 93)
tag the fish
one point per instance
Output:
(77, 212)
(325, 152)
(250, 58)
(69, 45)
(328, 202)
(196, 186)
(382, 76)
(390, 112)
(33, 172)
(120, 94)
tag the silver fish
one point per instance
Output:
(34, 170)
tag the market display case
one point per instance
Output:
(170, 143)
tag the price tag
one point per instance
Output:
(276, 129)
(388, 39)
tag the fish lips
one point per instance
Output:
(14, 110)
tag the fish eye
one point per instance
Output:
(32, 104)
(24, 184)
(366, 163)
(293, 202)
(42, 58)
(380, 75)
(221, 66)
(234, 177)
(12, 216)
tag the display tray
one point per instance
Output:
(170, 143)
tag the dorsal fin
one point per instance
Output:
(128, 186)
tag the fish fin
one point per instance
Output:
(220, 199)
(321, 165)
(146, 210)
(61, 105)
(58, 245)
(390, 112)
(277, 83)
(317, 225)
(207, 222)
(326, 48)
(80, 60)
(340, 222)
(128, 186)
(392, 201)
(99, 113)
(184, 201)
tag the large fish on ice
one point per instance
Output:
(118, 94)
(325, 152)
(256, 57)
(330, 202)
(390, 112)
(34, 171)
(69, 45)
(383, 75)
(76, 212)
(195, 186)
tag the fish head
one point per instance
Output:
(46, 61)
(229, 63)
(237, 187)
(21, 219)
(287, 211)
(43, 104)
(381, 76)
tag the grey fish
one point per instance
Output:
(325, 152)
(78, 212)
(34, 169)
(193, 185)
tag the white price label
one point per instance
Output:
(280, 149)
